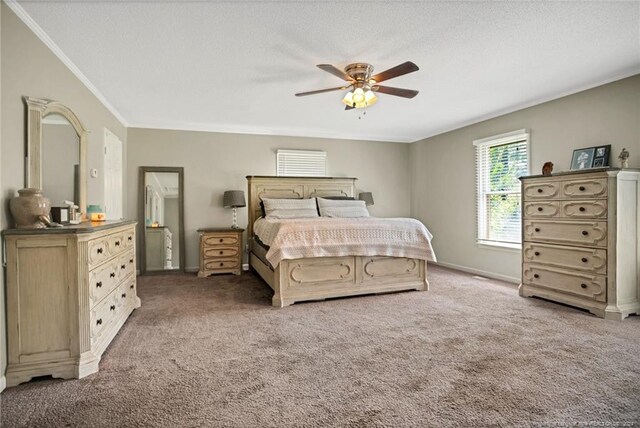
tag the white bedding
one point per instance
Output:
(336, 237)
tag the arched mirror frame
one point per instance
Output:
(37, 109)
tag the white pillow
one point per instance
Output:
(290, 208)
(342, 208)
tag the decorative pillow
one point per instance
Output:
(342, 208)
(290, 208)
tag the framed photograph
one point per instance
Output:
(601, 158)
(598, 163)
(583, 158)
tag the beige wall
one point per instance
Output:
(443, 167)
(28, 67)
(215, 162)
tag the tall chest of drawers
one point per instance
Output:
(69, 291)
(580, 240)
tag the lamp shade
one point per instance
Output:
(234, 199)
(367, 197)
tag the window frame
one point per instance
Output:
(481, 147)
(301, 153)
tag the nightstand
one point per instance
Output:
(220, 251)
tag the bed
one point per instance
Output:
(317, 278)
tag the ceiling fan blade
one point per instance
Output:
(320, 91)
(398, 70)
(335, 71)
(398, 92)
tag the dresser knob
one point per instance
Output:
(584, 260)
(99, 250)
(112, 307)
(537, 229)
(130, 260)
(99, 284)
(535, 275)
(124, 295)
(539, 190)
(582, 209)
(99, 321)
(581, 188)
(123, 266)
(131, 286)
(583, 285)
(112, 274)
(117, 243)
(130, 238)
(585, 233)
(540, 209)
(537, 253)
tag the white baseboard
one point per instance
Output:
(505, 278)
(3, 383)
(191, 269)
(245, 267)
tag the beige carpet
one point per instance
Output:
(468, 353)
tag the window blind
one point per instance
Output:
(500, 160)
(301, 163)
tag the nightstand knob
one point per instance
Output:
(585, 233)
(221, 252)
(583, 285)
(221, 264)
(540, 209)
(584, 260)
(221, 240)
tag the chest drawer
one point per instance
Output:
(544, 190)
(578, 258)
(585, 209)
(211, 253)
(542, 209)
(220, 240)
(585, 285)
(587, 233)
(586, 188)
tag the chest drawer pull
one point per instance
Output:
(99, 321)
(537, 229)
(124, 295)
(583, 285)
(582, 209)
(112, 275)
(99, 284)
(581, 188)
(584, 260)
(535, 275)
(585, 233)
(112, 307)
(537, 253)
(539, 190)
(540, 209)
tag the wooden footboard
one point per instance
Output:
(324, 277)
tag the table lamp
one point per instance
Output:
(367, 197)
(234, 199)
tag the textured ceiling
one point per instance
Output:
(234, 66)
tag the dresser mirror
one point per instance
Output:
(161, 219)
(56, 152)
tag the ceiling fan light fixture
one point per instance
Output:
(370, 97)
(348, 99)
(358, 96)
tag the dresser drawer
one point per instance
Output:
(103, 315)
(221, 264)
(102, 281)
(586, 188)
(116, 243)
(213, 253)
(98, 251)
(126, 265)
(578, 258)
(542, 209)
(585, 209)
(581, 284)
(220, 240)
(125, 297)
(130, 238)
(587, 233)
(541, 190)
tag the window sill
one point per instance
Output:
(500, 246)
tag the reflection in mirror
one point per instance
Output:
(162, 220)
(60, 160)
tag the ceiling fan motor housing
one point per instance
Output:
(359, 71)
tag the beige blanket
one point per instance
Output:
(336, 237)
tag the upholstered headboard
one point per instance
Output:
(295, 188)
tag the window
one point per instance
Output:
(301, 163)
(500, 160)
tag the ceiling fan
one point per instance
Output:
(362, 85)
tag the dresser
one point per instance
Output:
(159, 247)
(69, 291)
(220, 251)
(580, 240)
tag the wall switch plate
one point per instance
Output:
(93, 173)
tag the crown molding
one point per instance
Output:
(44, 37)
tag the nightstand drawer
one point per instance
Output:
(586, 233)
(578, 258)
(219, 264)
(586, 188)
(220, 240)
(581, 284)
(210, 253)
